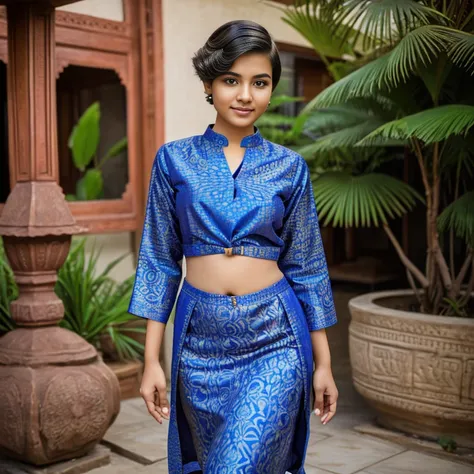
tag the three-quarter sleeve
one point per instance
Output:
(302, 260)
(159, 269)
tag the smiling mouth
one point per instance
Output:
(242, 110)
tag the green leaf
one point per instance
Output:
(382, 21)
(282, 99)
(315, 24)
(342, 138)
(416, 50)
(364, 82)
(346, 201)
(94, 303)
(461, 50)
(272, 119)
(434, 75)
(115, 150)
(90, 185)
(432, 125)
(84, 138)
(459, 216)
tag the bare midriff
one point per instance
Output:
(231, 274)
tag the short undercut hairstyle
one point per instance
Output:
(230, 41)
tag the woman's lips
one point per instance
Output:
(242, 112)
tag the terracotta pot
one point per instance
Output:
(129, 375)
(416, 370)
(107, 346)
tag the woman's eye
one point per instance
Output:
(229, 79)
(262, 83)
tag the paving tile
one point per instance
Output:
(155, 468)
(346, 453)
(315, 470)
(131, 411)
(316, 437)
(411, 462)
(118, 465)
(144, 441)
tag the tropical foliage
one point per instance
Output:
(94, 303)
(403, 72)
(276, 125)
(84, 142)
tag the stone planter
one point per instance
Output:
(416, 370)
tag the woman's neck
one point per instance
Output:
(232, 133)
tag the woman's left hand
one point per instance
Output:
(325, 394)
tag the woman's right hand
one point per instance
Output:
(153, 391)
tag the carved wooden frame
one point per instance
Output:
(133, 49)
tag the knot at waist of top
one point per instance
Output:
(234, 250)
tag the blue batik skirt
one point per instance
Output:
(241, 388)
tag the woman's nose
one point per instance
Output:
(244, 94)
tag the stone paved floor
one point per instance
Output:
(334, 448)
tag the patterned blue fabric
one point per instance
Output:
(241, 382)
(196, 207)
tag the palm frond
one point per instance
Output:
(432, 125)
(383, 21)
(461, 50)
(416, 50)
(313, 20)
(340, 139)
(345, 200)
(459, 215)
(364, 82)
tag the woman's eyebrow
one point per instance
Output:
(257, 76)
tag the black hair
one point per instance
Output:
(230, 41)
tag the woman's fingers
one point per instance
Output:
(149, 398)
(162, 404)
(152, 409)
(330, 411)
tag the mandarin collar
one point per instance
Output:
(249, 141)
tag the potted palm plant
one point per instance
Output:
(403, 85)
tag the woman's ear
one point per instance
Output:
(207, 87)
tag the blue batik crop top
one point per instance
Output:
(197, 206)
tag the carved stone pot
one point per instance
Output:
(416, 370)
(58, 398)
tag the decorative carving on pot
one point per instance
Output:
(416, 370)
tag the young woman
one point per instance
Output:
(250, 353)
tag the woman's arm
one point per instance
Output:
(154, 337)
(326, 393)
(321, 353)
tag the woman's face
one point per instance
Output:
(247, 85)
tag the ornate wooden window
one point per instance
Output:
(119, 64)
